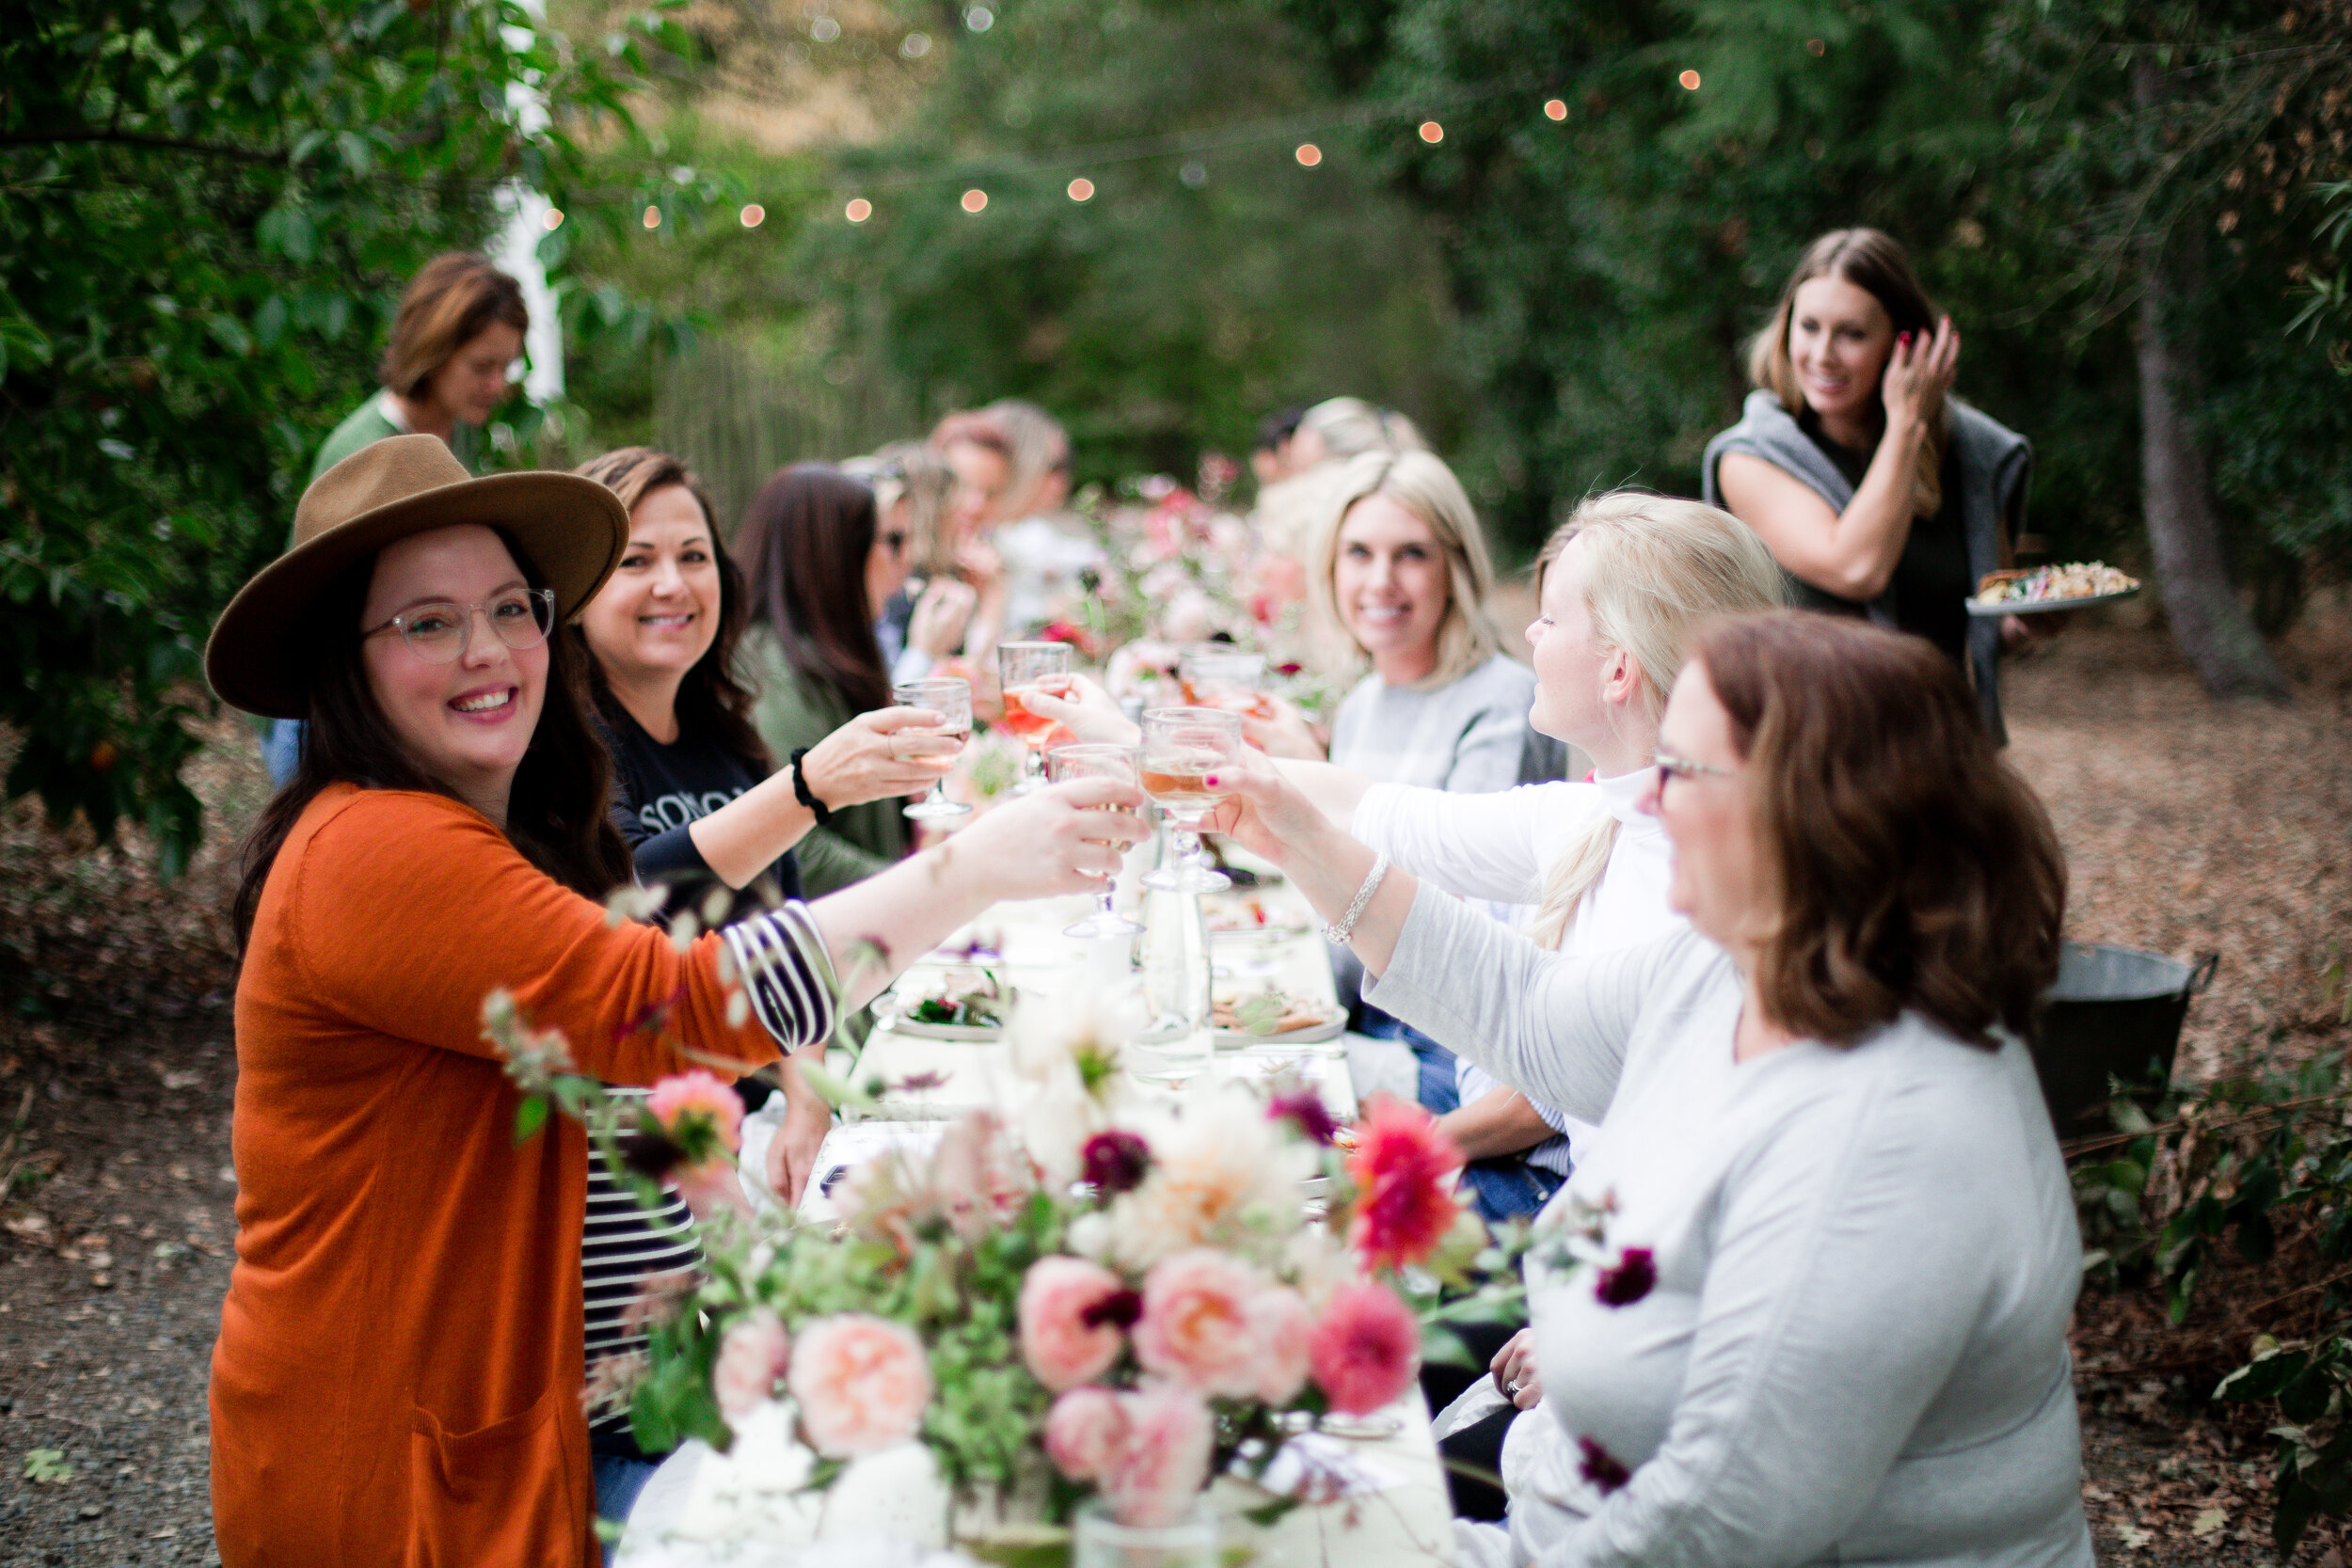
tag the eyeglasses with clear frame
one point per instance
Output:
(440, 633)
(1672, 766)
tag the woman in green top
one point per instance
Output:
(458, 330)
(820, 571)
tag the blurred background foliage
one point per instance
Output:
(1561, 303)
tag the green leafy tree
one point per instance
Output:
(207, 211)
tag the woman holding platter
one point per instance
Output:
(1806, 1297)
(1880, 493)
(398, 1374)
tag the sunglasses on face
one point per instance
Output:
(894, 541)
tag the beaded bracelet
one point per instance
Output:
(1339, 931)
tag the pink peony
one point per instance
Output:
(1284, 1330)
(688, 1093)
(1084, 1430)
(1067, 1335)
(1366, 1350)
(1162, 1462)
(1196, 1328)
(979, 1177)
(752, 1356)
(861, 1382)
(1403, 1171)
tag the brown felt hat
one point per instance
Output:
(572, 528)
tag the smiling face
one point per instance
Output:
(1583, 687)
(469, 722)
(1840, 338)
(892, 558)
(471, 386)
(1389, 580)
(981, 474)
(658, 612)
(1721, 881)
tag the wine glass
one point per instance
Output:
(1218, 674)
(1023, 668)
(1123, 763)
(952, 701)
(1181, 746)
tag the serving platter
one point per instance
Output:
(1986, 608)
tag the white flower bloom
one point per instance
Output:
(1222, 1174)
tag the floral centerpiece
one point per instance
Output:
(1102, 1296)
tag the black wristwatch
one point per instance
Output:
(800, 788)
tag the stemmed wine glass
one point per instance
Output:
(1023, 668)
(952, 701)
(1123, 763)
(1181, 746)
(1218, 674)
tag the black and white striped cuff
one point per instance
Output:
(781, 961)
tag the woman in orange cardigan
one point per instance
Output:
(398, 1376)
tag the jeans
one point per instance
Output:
(281, 749)
(1507, 1187)
(618, 1482)
(1437, 1091)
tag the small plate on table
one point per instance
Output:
(900, 1013)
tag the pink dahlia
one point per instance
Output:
(1366, 1350)
(1069, 1332)
(1196, 1328)
(1284, 1330)
(861, 1383)
(1404, 1169)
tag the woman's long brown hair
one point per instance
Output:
(710, 701)
(805, 539)
(559, 814)
(1875, 262)
(1916, 869)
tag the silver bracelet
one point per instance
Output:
(1339, 930)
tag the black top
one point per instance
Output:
(1931, 582)
(659, 789)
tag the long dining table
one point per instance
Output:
(1391, 1508)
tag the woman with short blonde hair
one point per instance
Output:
(1423, 485)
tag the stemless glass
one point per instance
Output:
(952, 701)
(1021, 667)
(1181, 746)
(1124, 763)
(1218, 674)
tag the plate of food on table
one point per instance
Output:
(1272, 1016)
(1246, 916)
(2076, 585)
(972, 1005)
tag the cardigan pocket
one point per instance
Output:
(501, 1494)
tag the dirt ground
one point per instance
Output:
(2190, 828)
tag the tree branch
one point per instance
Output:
(132, 138)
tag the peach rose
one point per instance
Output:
(1072, 1312)
(697, 1092)
(1084, 1430)
(861, 1383)
(1196, 1328)
(1284, 1331)
(1162, 1463)
(752, 1356)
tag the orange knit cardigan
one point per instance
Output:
(398, 1376)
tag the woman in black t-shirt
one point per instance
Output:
(1878, 493)
(703, 807)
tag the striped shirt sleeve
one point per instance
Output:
(786, 972)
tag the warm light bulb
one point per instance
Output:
(1308, 154)
(1555, 109)
(553, 218)
(1432, 132)
(754, 215)
(859, 210)
(653, 218)
(1082, 189)
(1690, 79)
(974, 199)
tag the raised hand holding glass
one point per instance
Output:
(952, 701)
(1021, 668)
(1123, 763)
(1182, 747)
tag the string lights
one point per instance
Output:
(1188, 148)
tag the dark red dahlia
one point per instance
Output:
(1115, 1162)
(1631, 1280)
(1601, 1467)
